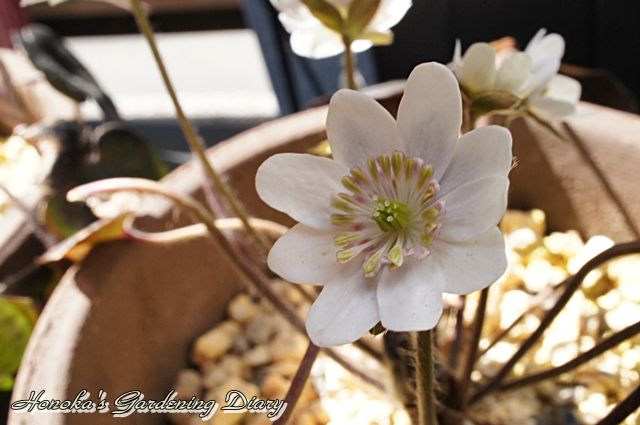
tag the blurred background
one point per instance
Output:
(233, 66)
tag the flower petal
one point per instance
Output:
(482, 152)
(358, 128)
(472, 265)
(479, 68)
(305, 255)
(301, 186)
(316, 43)
(344, 311)
(546, 56)
(430, 115)
(564, 88)
(410, 298)
(473, 208)
(389, 13)
(513, 73)
(548, 109)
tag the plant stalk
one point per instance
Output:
(472, 354)
(573, 283)
(190, 134)
(425, 379)
(349, 63)
(298, 383)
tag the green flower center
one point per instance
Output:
(391, 216)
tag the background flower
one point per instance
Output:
(313, 38)
(531, 77)
(406, 210)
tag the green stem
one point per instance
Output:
(349, 64)
(425, 379)
(190, 134)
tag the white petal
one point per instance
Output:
(513, 73)
(472, 265)
(548, 109)
(474, 208)
(564, 88)
(358, 128)
(430, 115)
(536, 39)
(345, 309)
(479, 68)
(301, 186)
(389, 13)
(305, 255)
(482, 152)
(546, 57)
(410, 298)
(316, 43)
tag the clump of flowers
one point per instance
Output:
(405, 211)
(517, 82)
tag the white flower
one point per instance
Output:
(311, 38)
(531, 76)
(553, 96)
(373, 224)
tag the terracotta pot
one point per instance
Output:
(126, 317)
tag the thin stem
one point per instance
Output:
(244, 265)
(425, 379)
(571, 286)
(190, 134)
(472, 354)
(604, 345)
(623, 409)
(298, 383)
(454, 353)
(44, 236)
(349, 64)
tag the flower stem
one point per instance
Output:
(472, 355)
(298, 383)
(190, 134)
(571, 287)
(425, 379)
(349, 64)
(605, 345)
(623, 409)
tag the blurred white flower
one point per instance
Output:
(553, 96)
(373, 225)
(312, 38)
(530, 76)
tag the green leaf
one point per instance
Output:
(326, 13)
(361, 12)
(17, 318)
(493, 102)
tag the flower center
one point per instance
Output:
(388, 211)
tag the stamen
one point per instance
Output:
(389, 212)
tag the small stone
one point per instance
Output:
(288, 346)
(242, 309)
(261, 329)
(274, 386)
(188, 384)
(258, 356)
(212, 345)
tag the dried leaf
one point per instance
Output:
(77, 247)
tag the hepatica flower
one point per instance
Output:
(317, 27)
(405, 211)
(529, 78)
